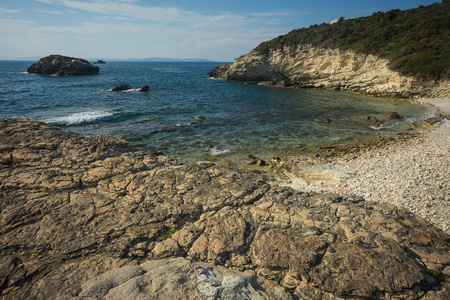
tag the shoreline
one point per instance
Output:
(411, 172)
(76, 211)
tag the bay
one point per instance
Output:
(239, 118)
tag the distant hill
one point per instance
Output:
(416, 41)
(163, 59)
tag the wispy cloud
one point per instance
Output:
(144, 29)
(127, 8)
(16, 21)
(9, 11)
(53, 12)
(276, 14)
(132, 10)
(101, 18)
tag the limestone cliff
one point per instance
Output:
(307, 66)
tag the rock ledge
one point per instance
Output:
(75, 211)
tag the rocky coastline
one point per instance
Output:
(305, 66)
(91, 218)
(409, 170)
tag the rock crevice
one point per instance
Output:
(192, 232)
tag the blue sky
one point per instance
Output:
(215, 30)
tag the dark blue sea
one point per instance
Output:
(240, 118)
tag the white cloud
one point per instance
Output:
(130, 9)
(9, 11)
(100, 18)
(128, 28)
(9, 21)
(49, 12)
(272, 14)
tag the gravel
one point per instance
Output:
(414, 174)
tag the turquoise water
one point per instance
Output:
(240, 118)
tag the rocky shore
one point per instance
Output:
(305, 66)
(90, 218)
(410, 170)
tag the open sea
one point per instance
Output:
(240, 118)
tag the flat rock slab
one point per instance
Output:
(89, 217)
(179, 278)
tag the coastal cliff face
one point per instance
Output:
(307, 66)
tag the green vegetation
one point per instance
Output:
(230, 264)
(168, 235)
(438, 275)
(416, 41)
(289, 290)
(403, 223)
(79, 183)
(330, 232)
(121, 193)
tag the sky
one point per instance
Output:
(207, 29)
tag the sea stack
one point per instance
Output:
(58, 65)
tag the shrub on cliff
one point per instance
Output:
(416, 41)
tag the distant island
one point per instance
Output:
(96, 60)
(162, 59)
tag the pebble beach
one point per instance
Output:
(414, 174)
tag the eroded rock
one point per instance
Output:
(58, 65)
(120, 88)
(60, 238)
(144, 89)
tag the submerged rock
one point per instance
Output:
(323, 120)
(58, 65)
(392, 115)
(371, 119)
(119, 88)
(144, 89)
(89, 217)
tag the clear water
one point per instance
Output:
(240, 119)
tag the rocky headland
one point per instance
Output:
(90, 218)
(58, 65)
(395, 53)
(306, 66)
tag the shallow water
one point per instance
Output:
(240, 119)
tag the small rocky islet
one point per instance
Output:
(90, 217)
(59, 65)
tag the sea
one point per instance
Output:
(236, 119)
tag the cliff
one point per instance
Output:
(90, 218)
(308, 66)
(397, 53)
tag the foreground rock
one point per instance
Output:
(58, 65)
(87, 217)
(178, 278)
